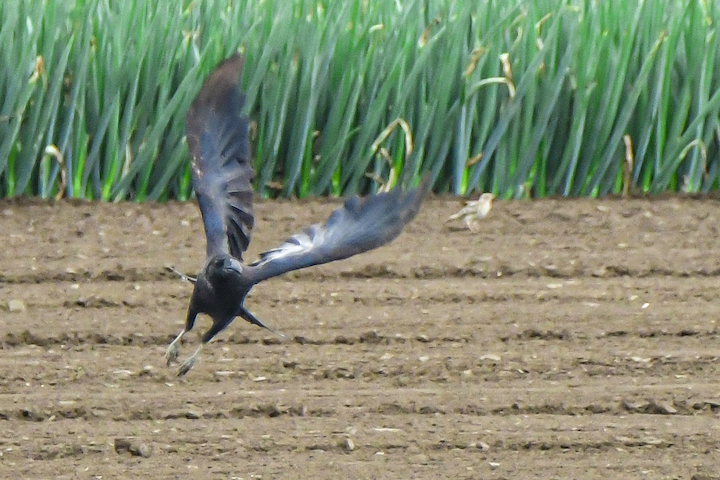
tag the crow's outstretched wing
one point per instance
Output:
(356, 227)
(217, 137)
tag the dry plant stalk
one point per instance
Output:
(54, 152)
(375, 148)
(627, 165)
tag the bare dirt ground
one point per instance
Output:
(565, 339)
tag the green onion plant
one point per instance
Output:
(519, 98)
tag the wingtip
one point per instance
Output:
(425, 184)
(417, 196)
(232, 66)
(419, 192)
(218, 88)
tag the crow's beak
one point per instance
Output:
(233, 264)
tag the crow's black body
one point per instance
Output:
(217, 137)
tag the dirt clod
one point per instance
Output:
(16, 305)
(133, 447)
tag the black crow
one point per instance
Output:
(217, 137)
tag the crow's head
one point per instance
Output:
(223, 268)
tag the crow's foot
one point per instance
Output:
(172, 354)
(173, 350)
(189, 363)
(186, 366)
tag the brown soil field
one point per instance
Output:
(564, 339)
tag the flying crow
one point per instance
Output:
(217, 137)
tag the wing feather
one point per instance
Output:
(356, 227)
(222, 174)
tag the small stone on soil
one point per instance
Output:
(125, 445)
(122, 445)
(141, 450)
(16, 305)
(481, 446)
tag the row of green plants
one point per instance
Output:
(521, 98)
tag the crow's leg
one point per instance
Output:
(173, 350)
(190, 362)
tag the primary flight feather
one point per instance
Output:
(218, 140)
